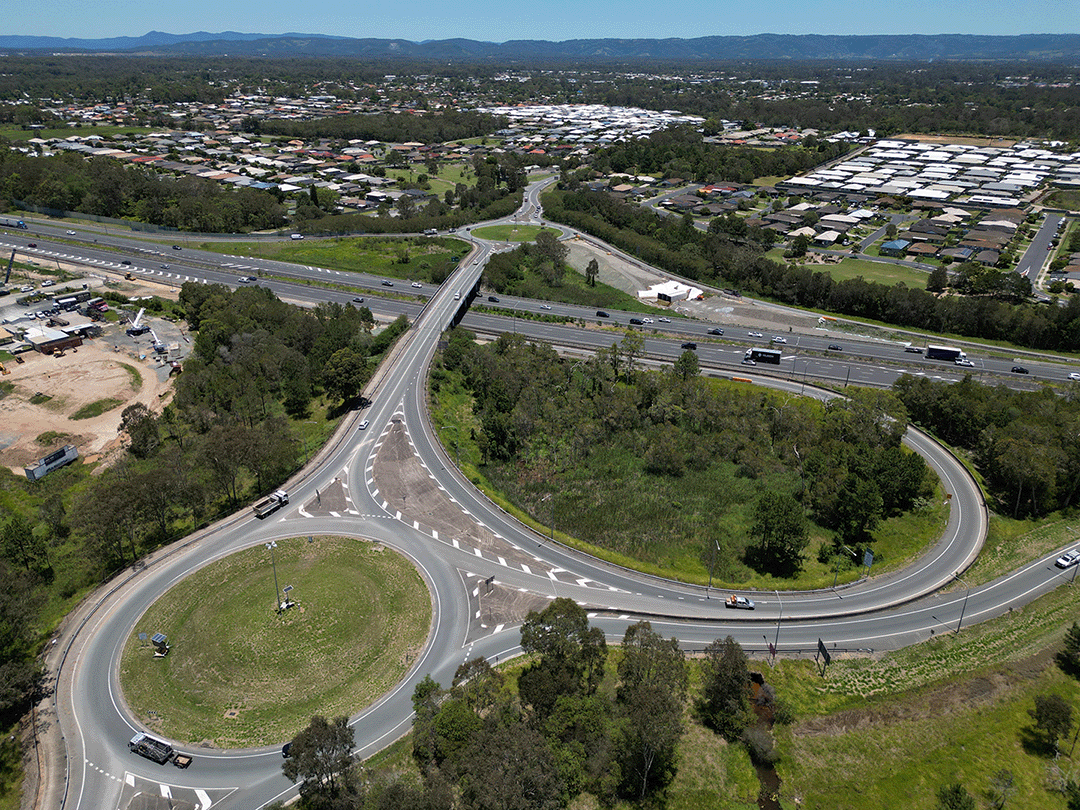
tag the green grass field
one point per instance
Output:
(239, 674)
(511, 233)
(881, 272)
(17, 134)
(1064, 198)
(96, 408)
(377, 255)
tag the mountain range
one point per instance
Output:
(886, 47)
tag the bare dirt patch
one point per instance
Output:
(94, 372)
(969, 141)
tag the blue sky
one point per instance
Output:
(501, 20)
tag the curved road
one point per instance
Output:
(882, 612)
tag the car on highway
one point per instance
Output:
(716, 331)
(164, 267)
(601, 314)
(1019, 370)
(963, 361)
(126, 261)
(358, 299)
(835, 347)
(47, 282)
(1074, 375)
(662, 319)
(545, 306)
(637, 322)
(70, 233)
(363, 425)
(457, 296)
(746, 361)
(418, 285)
(177, 247)
(690, 345)
(387, 282)
(778, 339)
(493, 299)
(245, 279)
(285, 750)
(754, 334)
(739, 603)
(913, 349)
(647, 320)
(1068, 559)
(31, 244)
(26, 288)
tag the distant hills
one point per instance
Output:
(899, 47)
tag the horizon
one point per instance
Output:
(560, 21)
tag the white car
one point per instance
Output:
(1075, 375)
(363, 425)
(418, 285)
(778, 339)
(545, 306)
(754, 334)
(965, 362)
(47, 282)
(662, 319)
(1068, 559)
(646, 320)
(71, 233)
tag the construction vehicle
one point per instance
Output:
(137, 326)
(271, 503)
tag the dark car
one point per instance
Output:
(716, 331)
(285, 749)
(358, 300)
(690, 345)
(913, 349)
(601, 314)
(387, 282)
(31, 244)
(1019, 370)
(637, 322)
(125, 261)
(834, 348)
(493, 299)
(177, 247)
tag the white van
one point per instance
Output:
(297, 236)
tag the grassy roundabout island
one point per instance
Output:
(238, 674)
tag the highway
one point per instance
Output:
(880, 612)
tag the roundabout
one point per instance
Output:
(466, 563)
(240, 674)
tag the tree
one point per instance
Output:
(321, 755)
(140, 424)
(686, 366)
(938, 280)
(549, 246)
(779, 534)
(20, 546)
(725, 697)
(650, 695)
(1052, 716)
(954, 797)
(591, 271)
(1069, 656)
(890, 230)
(509, 768)
(571, 654)
(345, 373)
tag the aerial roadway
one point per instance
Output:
(880, 612)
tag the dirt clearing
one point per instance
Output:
(45, 391)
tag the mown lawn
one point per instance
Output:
(240, 674)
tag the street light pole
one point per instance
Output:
(277, 593)
(963, 607)
(712, 558)
(776, 643)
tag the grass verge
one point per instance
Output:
(96, 408)
(511, 232)
(240, 674)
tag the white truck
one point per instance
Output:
(271, 503)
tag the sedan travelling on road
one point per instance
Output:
(1019, 370)
(716, 331)
(778, 339)
(833, 347)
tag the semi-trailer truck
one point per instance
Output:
(8, 222)
(950, 353)
(754, 356)
(271, 503)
